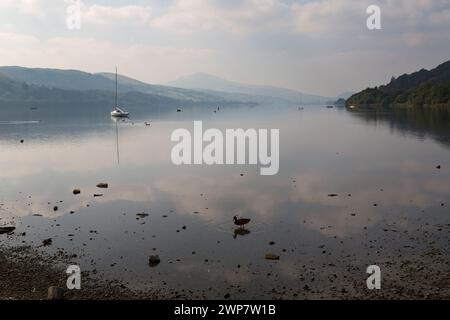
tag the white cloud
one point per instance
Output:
(327, 16)
(30, 7)
(12, 39)
(314, 18)
(338, 16)
(97, 14)
(190, 16)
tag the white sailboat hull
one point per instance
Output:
(119, 113)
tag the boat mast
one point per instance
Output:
(116, 88)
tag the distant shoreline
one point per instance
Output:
(396, 106)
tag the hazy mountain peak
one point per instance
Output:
(207, 81)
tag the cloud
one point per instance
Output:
(12, 40)
(190, 16)
(327, 16)
(37, 8)
(101, 15)
(338, 16)
(331, 18)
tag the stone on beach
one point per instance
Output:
(76, 191)
(7, 229)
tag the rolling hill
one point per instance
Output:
(424, 88)
(74, 80)
(53, 84)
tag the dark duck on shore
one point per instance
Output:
(241, 222)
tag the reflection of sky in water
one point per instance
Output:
(322, 152)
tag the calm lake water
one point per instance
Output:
(392, 201)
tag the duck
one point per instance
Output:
(241, 222)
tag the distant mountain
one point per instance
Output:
(16, 91)
(83, 81)
(203, 81)
(424, 88)
(41, 83)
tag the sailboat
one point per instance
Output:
(117, 111)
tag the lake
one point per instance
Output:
(354, 188)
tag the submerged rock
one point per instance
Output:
(102, 185)
(47, 242)
(271, 256)
(142, 215)
(153, 261)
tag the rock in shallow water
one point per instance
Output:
(153, 261)
(102, 185)
(142, 215)
(271, 256)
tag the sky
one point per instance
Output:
(322, 47)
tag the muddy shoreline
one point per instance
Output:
(27, 274)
